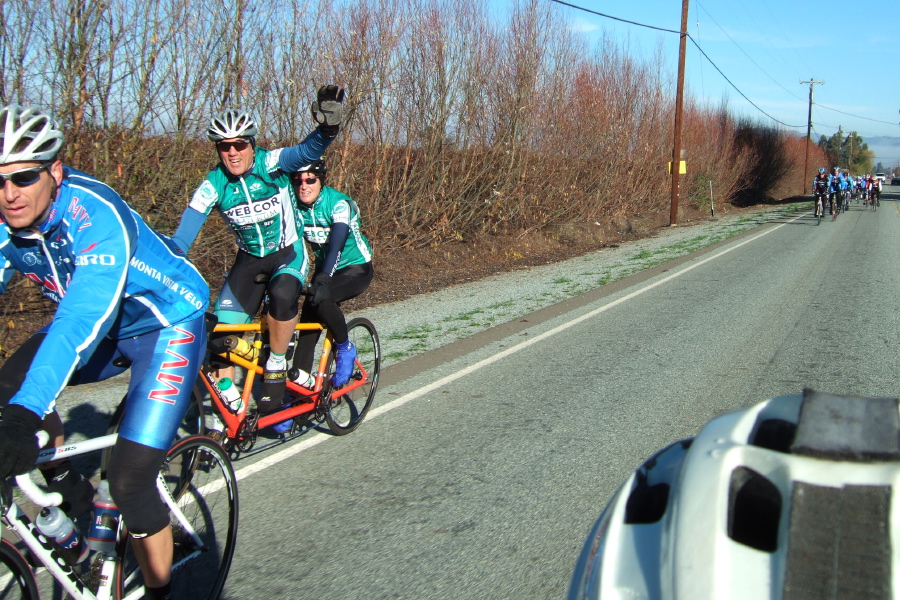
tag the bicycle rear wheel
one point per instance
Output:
(345, 413)
(16, 578)
(200, 478)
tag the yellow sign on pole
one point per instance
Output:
(682, 167)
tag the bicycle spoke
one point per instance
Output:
(200, 479)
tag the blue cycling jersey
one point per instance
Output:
(112, 275)
(835, 182)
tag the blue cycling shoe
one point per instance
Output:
(283, 427)
(344, 361)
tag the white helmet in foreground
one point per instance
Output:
(28, 135)
(790, 499)
(231, 123)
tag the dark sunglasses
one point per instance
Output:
(306, 180)
(239, 145)
(24, 177)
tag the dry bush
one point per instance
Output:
(456, 125)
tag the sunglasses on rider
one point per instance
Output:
(306, 180)
(239, 145)
(24, 177)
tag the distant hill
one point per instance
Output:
(886, 149)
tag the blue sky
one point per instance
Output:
(765, 48)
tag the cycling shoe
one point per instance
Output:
(344, 360)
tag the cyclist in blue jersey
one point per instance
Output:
(126, 297)
(846, 188)
(251, 189)
(835, 180)
(332, 226)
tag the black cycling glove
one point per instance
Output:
(328, 109)
(18, 446)
(320, 289)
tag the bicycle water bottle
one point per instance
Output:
(54, 524)
(241, 347)
(301, 377)
(230, 394)
(104, 523)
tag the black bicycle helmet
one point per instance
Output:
(317, 168)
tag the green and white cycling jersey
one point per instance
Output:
(329, 208)
(260, 206)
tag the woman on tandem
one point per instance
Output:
(331, 225)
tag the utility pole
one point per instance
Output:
(840, 141)
(850, 159)
(679, 103)
(811, 83)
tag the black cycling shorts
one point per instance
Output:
(242, 294)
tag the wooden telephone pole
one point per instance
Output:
(679, 103)
(811, 83)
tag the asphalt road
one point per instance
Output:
(482, 467)
(484, 483)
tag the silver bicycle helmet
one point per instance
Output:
(28, 134)
(231, 123)
(792, 499)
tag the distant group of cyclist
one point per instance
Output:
(838, 188)
(128, 297)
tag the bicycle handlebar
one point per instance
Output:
(35, 493)
(30, 488)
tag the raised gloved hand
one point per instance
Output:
(18, 446)
(320, 289)
(328, 109)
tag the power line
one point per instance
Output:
(738, 90)
(852, 115)
(693, 41)
(750, 58)
(600, 14)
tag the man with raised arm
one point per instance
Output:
(251, 189)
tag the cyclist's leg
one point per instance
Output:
(239, 299)
(346, 283)
(305, 351)
(285, 284)
(164, 364)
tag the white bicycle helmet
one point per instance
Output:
(28, 135)
(790, 499)
(231, 123)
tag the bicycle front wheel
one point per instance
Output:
(199, 476)
(346, 412)
(16, 578)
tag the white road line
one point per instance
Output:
(276, 458)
